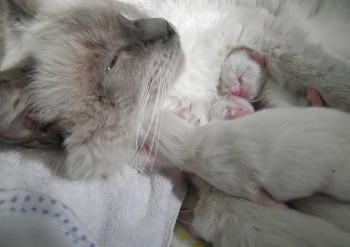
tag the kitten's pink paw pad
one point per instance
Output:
(147, 158)
(264, 198)
(315, 97)
(184, 113)
(236, 112)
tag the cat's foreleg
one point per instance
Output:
(296, 63)
(312, 67)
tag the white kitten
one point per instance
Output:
(243, 74)
(244, 156)
(228, 221)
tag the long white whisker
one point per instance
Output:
(159, 121)
(155, 138)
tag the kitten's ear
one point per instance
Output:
(258, 57)
(19, 11)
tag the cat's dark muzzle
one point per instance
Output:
(154, 30)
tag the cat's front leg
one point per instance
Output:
(296, 63)
(312, 67)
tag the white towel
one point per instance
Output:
(38, 208)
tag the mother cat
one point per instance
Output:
(77, 46)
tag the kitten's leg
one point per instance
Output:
(228, 221)
(325, 207)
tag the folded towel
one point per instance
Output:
(38, 208)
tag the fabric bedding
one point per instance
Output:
(128, 209)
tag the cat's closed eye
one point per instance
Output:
(112, 63)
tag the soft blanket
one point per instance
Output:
(38, 208)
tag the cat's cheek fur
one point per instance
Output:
(96, 157)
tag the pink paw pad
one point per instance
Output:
(264, 198)
(148, 159)
(233, 112)
(184, 113)
(315, 97)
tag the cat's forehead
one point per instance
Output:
(99, 27)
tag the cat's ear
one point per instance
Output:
(20, 11)
(19, 123)
(14, 103)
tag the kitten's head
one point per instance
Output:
(97, 75)
(243, 74)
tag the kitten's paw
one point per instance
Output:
(232, 112)
(315, 98)
(230, 108)
(146, 157)
(184, 113)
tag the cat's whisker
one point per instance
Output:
(156, 111)
(153, 119)
(192, 224)
(159, 122)
(146, 97)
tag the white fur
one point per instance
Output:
(241, 75)
(299, 153)
(298, 53)
(228, 221)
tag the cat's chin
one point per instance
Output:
(96, 157)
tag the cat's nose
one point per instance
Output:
(155, 29)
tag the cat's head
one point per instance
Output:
(97, 75)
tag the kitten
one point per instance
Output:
(228, 221)
(304, 145)
(243, 74)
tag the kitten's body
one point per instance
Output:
(295, 162)
(228, 221)
(287, 163)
